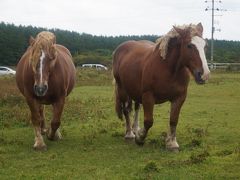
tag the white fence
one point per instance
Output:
(225, 66)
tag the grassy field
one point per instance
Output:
(93, 145)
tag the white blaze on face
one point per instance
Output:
(200, 44)
(41, 65)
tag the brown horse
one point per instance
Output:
(45, 75)
(153, 73)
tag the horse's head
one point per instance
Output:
(193, 52)
(43, 58)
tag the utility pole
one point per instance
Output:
(213, 27)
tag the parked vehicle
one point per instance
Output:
(6, 70)
(95, 66)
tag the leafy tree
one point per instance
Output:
(87, 48)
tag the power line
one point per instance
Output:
(213, 9)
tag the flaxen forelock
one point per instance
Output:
(164, 40)
(44, 40)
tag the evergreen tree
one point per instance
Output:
(89, 48)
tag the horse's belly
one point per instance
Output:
(133, 88)
(168, 94)
(136, 96)
(162, 98)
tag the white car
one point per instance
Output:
(95, 66)
(6, 70)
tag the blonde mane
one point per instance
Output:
(163, 41)
(44, 40)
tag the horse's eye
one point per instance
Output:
(190, 46)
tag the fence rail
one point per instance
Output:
(225, 66)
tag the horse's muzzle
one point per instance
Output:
(40, 90)
(198, 77)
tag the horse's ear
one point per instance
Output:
(180, 31)
(31, 41)
(183, 33)
(199, 28)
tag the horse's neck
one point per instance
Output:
(173, 58)
(175, 63)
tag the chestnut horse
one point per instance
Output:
(45, 75)
(153, 73)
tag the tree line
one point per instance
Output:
(87, 48)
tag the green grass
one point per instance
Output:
(93, 145)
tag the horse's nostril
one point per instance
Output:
(35, 88)
(45, 87)
(199, 74)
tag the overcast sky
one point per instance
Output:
(122, 17)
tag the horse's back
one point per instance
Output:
(132, 48)
(67, 66)
(23, 66)
(132, 53)
(63, 49)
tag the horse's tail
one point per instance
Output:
(118, 104)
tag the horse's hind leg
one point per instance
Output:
(123, 105)
(36, 121)
(127, 106)
(135, 126)
(42, 120)
(53, 133)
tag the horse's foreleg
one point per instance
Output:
(42, 120)
(36, 121)
(53, 133)
(148, 104)
(171, 141)
(135, 126)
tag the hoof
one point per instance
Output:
(57, 136)
(140, 136)
(129, 135)
(171, 144)
(41, 147)
(138, 140)
(135, 130)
